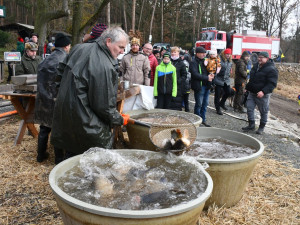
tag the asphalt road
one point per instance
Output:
(285, 109)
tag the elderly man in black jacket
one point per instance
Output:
(85, 110)
(201, 83)
(46, 92)
(263, 80)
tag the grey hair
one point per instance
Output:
(114, 33)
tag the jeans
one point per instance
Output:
(262, 105)
(201, 99)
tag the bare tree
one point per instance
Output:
(133, 16)
(43, 15)
(162, 21)
(152, 17)
(194, 20)
(282, 10)
(125, 17)
(141, 14)
(176, 21)
(108, 14)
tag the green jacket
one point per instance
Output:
(28, 65)
(165, 80)
(85, 109)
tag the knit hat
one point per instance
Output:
(167, 54)
(227, 51)
(245, 54)
(213, 52)
(155, 52)
(20, 39)
(26, 39)
(98, 30)
(31, 46)
(264, 54)
(135, 41)
(200, 50)
(61, 40)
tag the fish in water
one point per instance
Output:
(178, 140)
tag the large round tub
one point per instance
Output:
(77, 212)
(230, 176)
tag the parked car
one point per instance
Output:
(166, 45)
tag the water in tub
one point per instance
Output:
(219, 148)
(133, 181)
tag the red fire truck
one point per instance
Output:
(249, 40)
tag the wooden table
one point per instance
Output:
(26, 113)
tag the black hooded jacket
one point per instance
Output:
(263, 78)
(46, 87)
(198, 79)
(181, 73)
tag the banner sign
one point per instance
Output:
(12, 56)
(2, 12)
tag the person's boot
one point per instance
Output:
(223, 106)
(42, 146)
(219, 112)
(261, 127)
(251, 126)
(59, 155)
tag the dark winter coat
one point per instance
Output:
(223, 77)
(28, 65)
(240, 72)
(20, 47)
(263, 78)
(187, 83)
(198, 79)
(85, 109)
(46, 87)
(176, 103)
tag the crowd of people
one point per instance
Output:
(76, 95)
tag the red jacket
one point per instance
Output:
(153, 65)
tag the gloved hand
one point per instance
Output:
(155, 97)
(125, 118)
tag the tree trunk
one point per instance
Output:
(125, 19)
(194, 20)
(176, 21)
(152, 18)
(162, 21)
(43, 15)
(141, 14)
(76, 22)
(92, 20)
(108, 14)
(133, 16)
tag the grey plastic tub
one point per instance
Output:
(77, 212)
(230, 176)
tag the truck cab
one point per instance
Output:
(212, 39)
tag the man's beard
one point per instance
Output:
(135, 50)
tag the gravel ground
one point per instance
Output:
(281, 139)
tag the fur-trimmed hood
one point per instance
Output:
(222, 56)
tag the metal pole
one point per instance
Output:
(14, 69)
